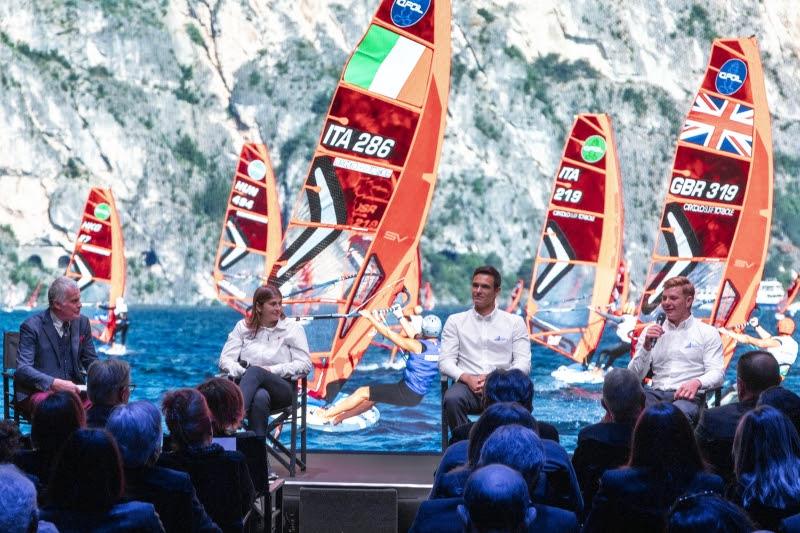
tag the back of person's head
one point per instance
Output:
(705, 513)
(54, 419)
(516, 447)
(496, 500)
(757, 371)
(785, 401)
(623, 395)
(663, 442)
(224, 399)
(137, 429)
(107, 381)
(188, 418)
(87, 475)
(508, 386)
(495, 416)
(766, 457)
(489, 270)
(18, 512)
(10, 440)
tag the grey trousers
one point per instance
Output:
(458, 402)
(691, 408)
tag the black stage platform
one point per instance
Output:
(356, 476)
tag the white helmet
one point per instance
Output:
(431, 326)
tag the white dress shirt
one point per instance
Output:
(282, 350)
(478, 344)
(690, 350)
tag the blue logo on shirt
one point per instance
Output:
(500, 339)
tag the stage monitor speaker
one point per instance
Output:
(344, 510)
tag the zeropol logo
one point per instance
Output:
(406, 13)
(731, 76)
(102, 211)
(256, 169)
(594, 148)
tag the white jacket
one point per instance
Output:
(282, 350)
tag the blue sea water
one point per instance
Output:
(172, 347)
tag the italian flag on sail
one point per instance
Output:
(390, 65)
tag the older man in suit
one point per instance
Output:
(55, 347)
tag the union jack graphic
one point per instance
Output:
(720, 124)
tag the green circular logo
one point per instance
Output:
(256, 169)
(102, 211)
(594, 148)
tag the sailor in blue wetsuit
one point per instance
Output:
(422, 367)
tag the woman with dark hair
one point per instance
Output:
(225, 403)
(706, 512)
(766, 456)
(461, 458)
(86, 486)
(54, 419)
(664, 464)
(221, 478)
(262, 351)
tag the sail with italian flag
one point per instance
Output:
(352, 240)
(97, 262)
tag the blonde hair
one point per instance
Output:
(683, 282)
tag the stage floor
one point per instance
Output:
(363, 470)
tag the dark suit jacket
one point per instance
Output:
(38, 361)
(441, 516)
(715, 432)
(545, 431)
(558, 484)
(601, 447)
(221, 479)
(131, 517)
(791, 524)
(631, 500)
(172, 494)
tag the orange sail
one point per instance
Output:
(516, 296)
(427, 298)
(576, 266)
(352, 240)
(791, 294)
(718, 210)
(251, 230)
(98, 261)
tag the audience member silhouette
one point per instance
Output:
(54, 419)
(221, 478)
(10, 441)
(756, 371)
(108, 384)
(137, 430)
(607, 444)
(224, 399)
(461, 458)
(18, 511)
(506, 386)
(705, 513)
(664, 464)
(766, 454)
(785, 401)
(496, 499)
(85, 490)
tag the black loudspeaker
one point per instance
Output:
(348, 510)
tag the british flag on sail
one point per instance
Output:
(718, 123)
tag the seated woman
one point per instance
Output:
(226, 405)
(665, 463)
(422, 367)
(263, 350)
(221, 478)
(85, 491)
(703, 513)
(54, 419)
(766, 455)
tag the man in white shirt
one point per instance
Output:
(685, 354)
(478, 341)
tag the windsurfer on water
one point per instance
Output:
(422, 366)
(625, 321)
(782, 345)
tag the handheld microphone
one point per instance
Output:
(649, 343)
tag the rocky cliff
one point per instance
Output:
(155, 97)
